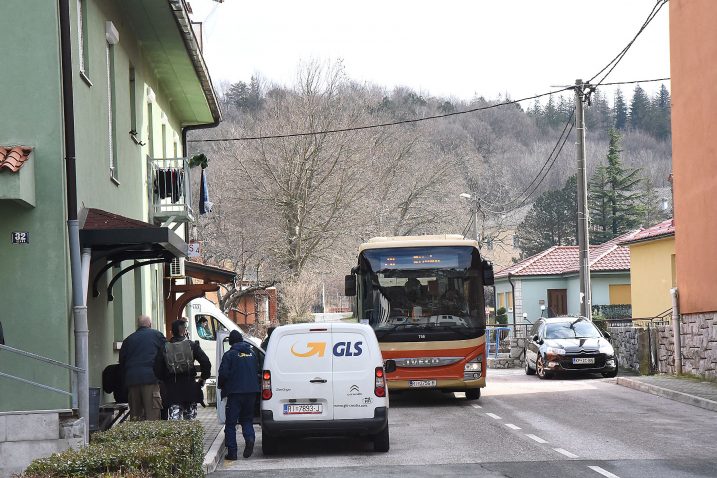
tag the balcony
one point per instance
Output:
(170, 191)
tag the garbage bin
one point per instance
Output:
(94, 409)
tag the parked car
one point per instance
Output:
(324, 380)
(568, 344)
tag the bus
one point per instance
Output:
(423, 297)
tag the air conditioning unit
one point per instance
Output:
(176, 267)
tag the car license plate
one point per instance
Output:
(581, 360)
(421, 383)
(303, 409)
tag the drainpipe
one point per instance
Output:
(512, 287)
(676, 329)
(79, 309)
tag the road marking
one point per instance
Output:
(533, 437)
(512, 427)
(493, 415)
(603, 472)
(476, 406)
(565, 452)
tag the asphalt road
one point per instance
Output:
(521, 426)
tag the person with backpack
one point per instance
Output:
(239, 381)
(182, 391)
(139, 359)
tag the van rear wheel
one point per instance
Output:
(381, 441)
(473, 394)
(268, 444)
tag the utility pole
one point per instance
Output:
(475, 218)
(583, 233)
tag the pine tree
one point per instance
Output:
(552, 221)
(550, 113)
(614, 200)
(651, 205)
(660, 122)
(620, 109)
(639, 109)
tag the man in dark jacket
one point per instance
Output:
(138, 360)
(181, 391)
(239, 382)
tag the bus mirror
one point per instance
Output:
(488, 278)
(350, 285)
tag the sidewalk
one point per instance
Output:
(213, 437)
(681, 389)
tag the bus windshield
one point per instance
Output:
(427, 289)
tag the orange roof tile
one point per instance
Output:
(658, 231)
(13, 157)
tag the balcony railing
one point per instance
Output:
(170, 191)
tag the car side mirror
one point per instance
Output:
(350, 285)
(606, 334)
(389, 366)
(535, 338)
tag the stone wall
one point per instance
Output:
(631, 347)
(665, 355)
(699, 344)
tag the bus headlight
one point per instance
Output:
(473, 369)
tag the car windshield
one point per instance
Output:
(427, 288)
(576, 329)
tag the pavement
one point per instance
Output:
(213, 437)
(691, 391)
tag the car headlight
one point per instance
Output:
(554, 351)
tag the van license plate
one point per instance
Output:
(584, 360)
(303, 409)
(421, 383)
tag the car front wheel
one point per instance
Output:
(540, 368)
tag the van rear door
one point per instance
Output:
(354, 368)
(301, 374)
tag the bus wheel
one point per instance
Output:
(473, 394)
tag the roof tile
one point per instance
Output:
(664, 229)
(99, 219)
(13, 157)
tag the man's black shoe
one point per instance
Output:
(230, 456)
(248, 449)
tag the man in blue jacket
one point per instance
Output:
(140, 359)
(239, 382)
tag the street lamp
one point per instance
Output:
(475, 213)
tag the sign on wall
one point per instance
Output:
(194, 249)
(20, 237)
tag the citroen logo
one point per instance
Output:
(354, 388)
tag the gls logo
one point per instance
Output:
(343, 349)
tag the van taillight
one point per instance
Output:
(266, 385)
(380, 386)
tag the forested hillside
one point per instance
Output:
(293, 207)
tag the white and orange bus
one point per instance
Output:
(423, 296)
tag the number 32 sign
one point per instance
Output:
(20, 237)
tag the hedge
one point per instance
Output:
(131, 450)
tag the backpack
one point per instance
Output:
(179, 357)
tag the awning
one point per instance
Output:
(207, 273)
(116, 238)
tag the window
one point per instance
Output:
(132, 102)
(164, 141)
(82, 39)
(208, 326)
(150, 130)
(501, 299)
(111, 118)
(619, 294)
(509, 300)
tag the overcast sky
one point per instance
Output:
(447, 48)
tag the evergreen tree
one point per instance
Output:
(237, 94)
(639, 109)
(660, 122)
(598, 116)
(651, 205)
(614, 200)
(552, 221)
(620, 111)
(550, 113)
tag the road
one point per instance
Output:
(521, 426)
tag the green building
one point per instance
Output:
(139, 82)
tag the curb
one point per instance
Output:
(667, 393)
(215, 453)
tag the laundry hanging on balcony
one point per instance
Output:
(205, 205)
(169, 183)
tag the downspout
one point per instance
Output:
(79, 308)
(512, 287)
(676, 329)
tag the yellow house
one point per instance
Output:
(652, 269)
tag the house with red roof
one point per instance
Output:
(652, 269)
(547, 283)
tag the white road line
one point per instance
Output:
(565, 452)
(493, 415)
(476, 406)
(603, 472)
(533, 437)
(512, 427)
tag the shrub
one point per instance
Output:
(501, 316)
(131, 450)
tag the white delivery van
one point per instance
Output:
(206, 321)
(324, 379)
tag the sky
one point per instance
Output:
(451, 48)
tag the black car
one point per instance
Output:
(568, 344)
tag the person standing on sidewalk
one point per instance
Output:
(140, 359)
(238, 380)
(181, 391)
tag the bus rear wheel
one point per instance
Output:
(473, 394)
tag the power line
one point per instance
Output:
(634, 81)
(615, 61)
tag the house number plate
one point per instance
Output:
(20, 237)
